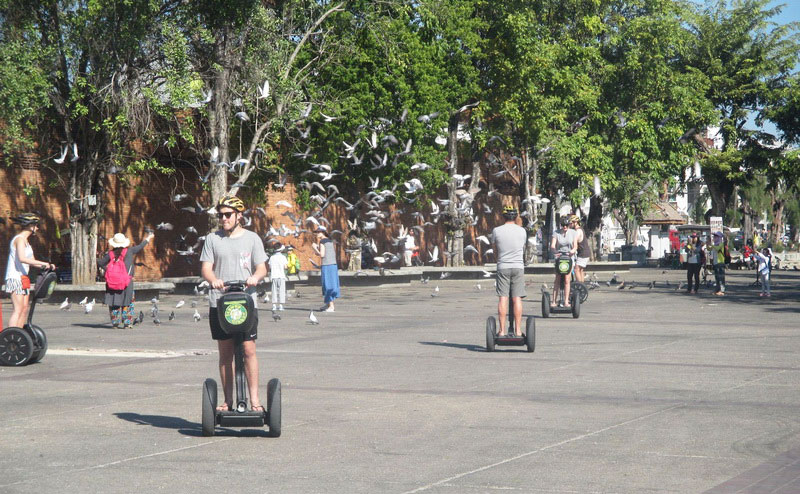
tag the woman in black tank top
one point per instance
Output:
(584, 252)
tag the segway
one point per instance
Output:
(528, 338)
(237, 316)
(28, 344)
(563, 268)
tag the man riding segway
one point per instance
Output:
(509, 246)
(233, 253)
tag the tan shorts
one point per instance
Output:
(511, 281)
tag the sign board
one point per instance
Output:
(715, 222)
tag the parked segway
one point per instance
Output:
(563, 266)
(237, 316)
(527, 339)
(579, 288)
(28, 344)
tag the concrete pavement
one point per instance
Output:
(649, 391)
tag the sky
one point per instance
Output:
(790, 13)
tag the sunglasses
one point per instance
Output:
(226, 215)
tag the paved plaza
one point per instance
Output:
(650, 391)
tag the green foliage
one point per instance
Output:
(591, 88)
(23, 90)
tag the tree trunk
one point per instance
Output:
(721, 192)
(776, 227)
(547, 234)
(83, 238)
(219, 113)
(594, 223)
(747, 221)
(455, 236)
(527, 189)
(86, 182)
(631, 229)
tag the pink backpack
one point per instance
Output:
(117, 277)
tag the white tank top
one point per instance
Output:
(16, 269)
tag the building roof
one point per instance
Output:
(664, 213)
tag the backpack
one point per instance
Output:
(117, 277)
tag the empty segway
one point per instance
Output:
(237, 316)
(528, 339)
(28, 344)
(563, 266)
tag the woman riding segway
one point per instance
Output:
(22, 342)
(565, 243)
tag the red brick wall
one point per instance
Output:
(135, 203)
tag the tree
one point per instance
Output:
(73, 74)
(410, 71)
(747, 59)
(244, 71)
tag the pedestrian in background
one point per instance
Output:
(293, 262)
(329, 268)
(695, 258)
(120, 268)
(278, 265)
(717, 251)
(764, 261)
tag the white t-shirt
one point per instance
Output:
(277, 266)
(410, 244)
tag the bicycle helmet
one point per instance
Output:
(510, 213)
(26, 219)
(564, 221)
(232, 202)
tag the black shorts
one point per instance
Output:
(218, 334)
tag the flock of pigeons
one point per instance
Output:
(376, 150)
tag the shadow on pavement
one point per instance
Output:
(462, 346)
(93, 326)
(186, 427)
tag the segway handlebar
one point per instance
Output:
(240, 284)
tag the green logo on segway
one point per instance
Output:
(235, 313)
(50, 288)
(563, 266)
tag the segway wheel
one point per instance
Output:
(274, 407)
(530, 334)
(491, 333)
(16, 347)
(581, 290)
(209, 406)
(576, 306)
(39, 342)
(546, 305)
